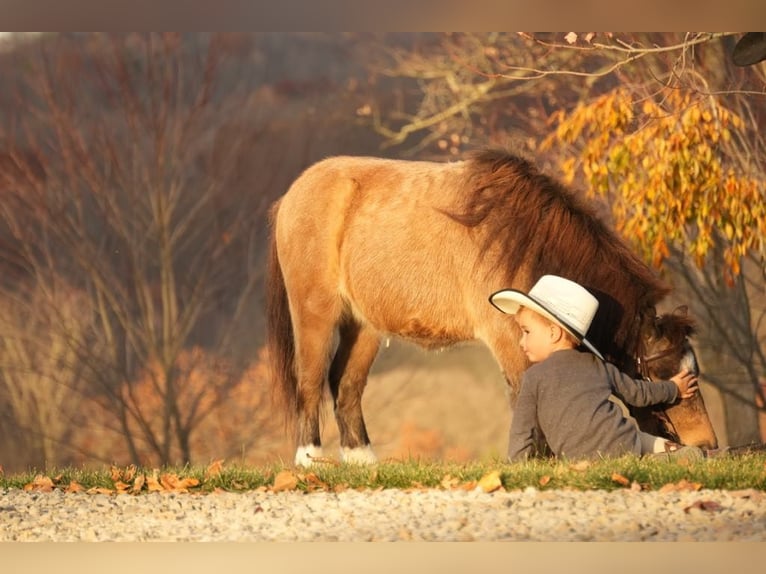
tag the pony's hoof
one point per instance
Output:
(306, 455)
(358, 455)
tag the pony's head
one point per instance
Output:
(664, 349)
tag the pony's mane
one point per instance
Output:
(539, 227)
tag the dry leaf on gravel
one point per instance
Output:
(681, 485)
(708, 505)
(99, 490)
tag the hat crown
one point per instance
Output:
(567, 300)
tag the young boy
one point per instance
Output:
(565, 393)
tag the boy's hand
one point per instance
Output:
(686, 383)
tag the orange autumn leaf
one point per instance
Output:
(115, 473)
(39, 484)
(153, 484)
(544, 480)
(121, 487)
(620, 479)
(285, 480)
(491, 482)
(176, 484)
(449, 482)
(214, 468)
(681, 485)
(129, 473)
(99, 490)
(138, 483)
(74, 487)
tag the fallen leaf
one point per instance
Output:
(313, 482)
(214, 468)
(571, 37)
(129, 473)
(708, 505)
(99, 490)
(544, 480)
(121, 487)
(39, 484)
(74, 487)
(682, 484)
(635, 486)
(174, 483)
(153, 484)
(490, 482)
(470, 485)
(138, 483)
(115, 473)
(285, 480)
(620, 479)
(449, 482)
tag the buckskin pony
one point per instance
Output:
(363, 247)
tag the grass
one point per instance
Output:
(727, 473)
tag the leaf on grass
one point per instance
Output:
(285, 480)
(214, 469)
(153, 484)
(544, 480)
(174, 483)
(449, 482)
(138, 483)
(115, 473)
(620, 479)
(707, 505)
(121, 487)
(129, 473)
(39, 484)
(681, 485)
(74, 487)
(313, 482)
(490, 482)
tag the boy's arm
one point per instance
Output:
(524, 423)
(640, 393)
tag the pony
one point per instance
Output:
(366, 247)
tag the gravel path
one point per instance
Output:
(387, 515)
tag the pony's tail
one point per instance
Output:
(280, 342)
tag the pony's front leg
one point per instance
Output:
(350, 368)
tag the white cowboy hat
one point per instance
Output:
(564, 302)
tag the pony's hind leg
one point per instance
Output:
(314, 337)
(356, 352)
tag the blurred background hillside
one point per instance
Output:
(136, 173)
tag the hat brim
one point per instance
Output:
(509, 301)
